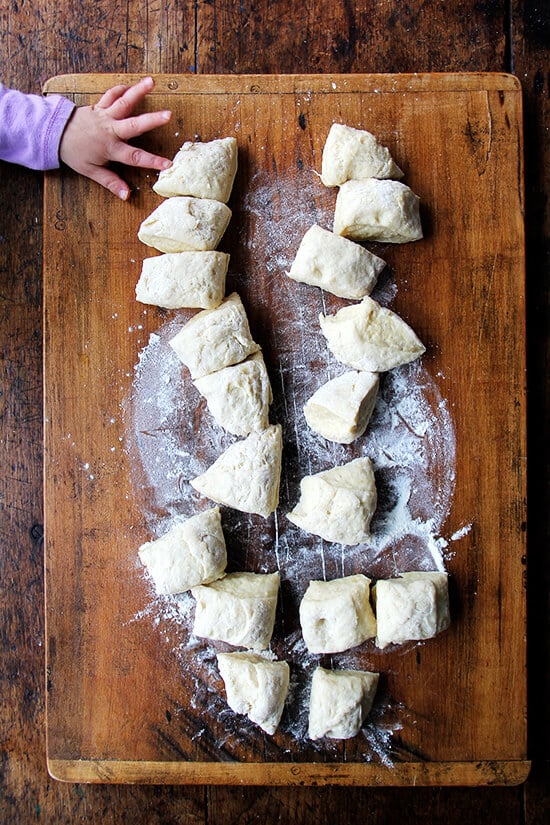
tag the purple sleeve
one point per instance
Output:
(31, 127)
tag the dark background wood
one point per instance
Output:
(38, 40)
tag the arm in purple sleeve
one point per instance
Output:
(31, 127)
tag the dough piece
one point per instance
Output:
(192, 552)
(355, 154)
(340, 702)
(256, 687)
(369, 337)
(337, 615)
(377, 210)
(412, 607)
(239, 396)
(340, 410)
(215, 338)
(247, 475)
(238, 609)
(336, 264)
(202, 170)
(185, 224)
(183, 279)
(338, 504)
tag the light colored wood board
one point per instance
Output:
(464, 774)
(117, 692)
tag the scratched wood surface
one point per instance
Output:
(460, 139)
(39, 40)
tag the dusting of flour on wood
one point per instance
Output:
(171, 438)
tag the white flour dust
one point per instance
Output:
(171, 437)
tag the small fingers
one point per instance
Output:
(124, 104)
(109, 97)
(132, 156)
(138, 125)
(110, 180)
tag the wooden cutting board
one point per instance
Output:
(132, 696)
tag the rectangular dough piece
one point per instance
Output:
(337, 615)
(340, 701)
(238, 609)
(413, 607)
(215, 338)
(377, 210)
(183, 279)
(201, 170)
(355, 154)
(184, 224)
(336, 264)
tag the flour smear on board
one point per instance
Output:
(171, 438)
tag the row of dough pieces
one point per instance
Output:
(239, 609)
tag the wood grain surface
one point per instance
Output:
(39, 40)
(459, 138)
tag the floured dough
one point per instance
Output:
(336, 264)
(340, 410)
(255, 686)
(247, 475)
(202, 170)
(412, 607)
(192, 552)
(183, 279)
(338, 504)
(185, 224)
(215, 338)
(369, 337)
(377, 210)
(337, 615)
(238, 609)
(239, 396)
(355, 154)
(340, 701)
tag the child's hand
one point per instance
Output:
(97, 134)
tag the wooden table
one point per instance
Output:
(225, 38)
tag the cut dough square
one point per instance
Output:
(340, 701)
(192, 552)
(336, 264)
(337, 615)
(377, 210)
(247, 475)
(412, 607)
(239, 396)
(238, 609)
(255, 686)
(355, 154)
(201, 170)
(185, 224)
(340, 410)
(369, 337)
(215, 338)
(338, 504)
(183, 279)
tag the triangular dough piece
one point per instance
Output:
(340, 410)
(338, 504)
(369, 337)
(355, 154)
(247, 475)
(215, 338)
(182, 224)
(239, 396)
(202, 170)
(340, 702)
(255, 686)
(377, 210)
(192, 552)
